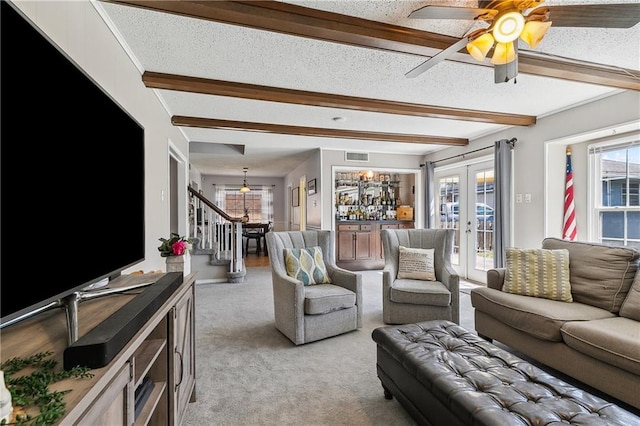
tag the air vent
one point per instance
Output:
(362, 157)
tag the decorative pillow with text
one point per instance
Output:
(538, 273)
(416, 264)
(306, 265)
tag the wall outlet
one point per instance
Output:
(518, 198)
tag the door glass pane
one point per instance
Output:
(482, 220)
(449, 193)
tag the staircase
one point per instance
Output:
(216, 242)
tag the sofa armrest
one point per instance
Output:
(495, 278)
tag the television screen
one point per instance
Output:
(72, 174)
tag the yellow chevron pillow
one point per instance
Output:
(306, 265)
(538, 273)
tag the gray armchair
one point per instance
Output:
(306, 313)
(407, 301)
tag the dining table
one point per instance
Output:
(255, 231)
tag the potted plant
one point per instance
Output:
(174, 248)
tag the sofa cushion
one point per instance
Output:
(538, 273)
(600, 275)
(419, 292)
(541, 318)
(324, 298)
(416, 263)
(615, 341)
(306, 265)
(631, 306)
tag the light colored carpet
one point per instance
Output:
(248, 373)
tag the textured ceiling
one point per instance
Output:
(167, 43)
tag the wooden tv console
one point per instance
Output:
(162, 350)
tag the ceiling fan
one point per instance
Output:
(510, 20)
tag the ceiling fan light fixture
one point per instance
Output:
(508, 26)
(534, 32)
(503, 53)
(479, 47)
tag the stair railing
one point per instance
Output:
(213, 230)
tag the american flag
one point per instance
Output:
(569, 229)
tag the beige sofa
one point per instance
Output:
(595, 338)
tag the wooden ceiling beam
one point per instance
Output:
(327, 26)
(211, 123)
(205, 86)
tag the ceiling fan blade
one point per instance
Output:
(437, 58)
(449, 12)
(595, 15)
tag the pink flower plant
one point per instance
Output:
(173, 246)
(178, 248)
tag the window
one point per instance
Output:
(448, 197)
(615, 168)
(258, 202)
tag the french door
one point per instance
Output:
(465, 197)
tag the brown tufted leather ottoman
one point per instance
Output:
(445, 375)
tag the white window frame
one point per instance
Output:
(595, 182)
(267, 198)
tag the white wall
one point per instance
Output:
(531, 163)
(77, 28)
(310, 205)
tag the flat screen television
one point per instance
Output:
(72, 174)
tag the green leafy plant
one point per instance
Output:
(32, 390)
(175, 245)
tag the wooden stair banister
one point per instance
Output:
(215, 232)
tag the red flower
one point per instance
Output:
(178, 248)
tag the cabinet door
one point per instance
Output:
(184, 355)
(346, 247)
(364, 245)
(114, 406)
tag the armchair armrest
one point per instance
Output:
(451, 280)
(388, 277)
(345, 278)
(288, 298)
(351, 281)
(495, 278)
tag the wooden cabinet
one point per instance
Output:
(149, 382)
(355, 242)
(114, 405)
(151, 363)
(359, 246)
(398, 225)
(183, 379)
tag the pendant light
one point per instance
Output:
(245, 188)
